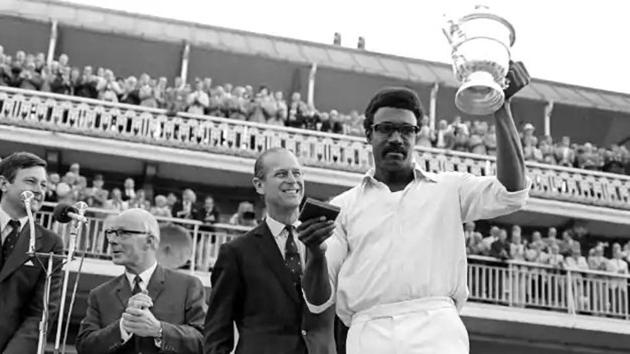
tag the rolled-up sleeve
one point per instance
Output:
(486, 197)
(336, 252)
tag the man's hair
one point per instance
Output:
(394, 97)
(259, 165)
(10, 165)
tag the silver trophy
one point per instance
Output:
(481, 42)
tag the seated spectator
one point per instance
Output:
(116, 202)
(187, 208)
(245, 215)
(160, 209)
(210, 213)
(501, 248)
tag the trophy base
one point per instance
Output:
(479, 95)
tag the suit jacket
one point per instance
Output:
(196, 211)
(22, 290)
(178, 302)
(252, 287)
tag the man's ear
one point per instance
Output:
(258, 185)
(3, 183)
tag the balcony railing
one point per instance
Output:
(95, 118)
(515, 284)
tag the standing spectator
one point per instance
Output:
(86, 87)
(575, 261)
(469, 230)
(444, 137)
(187, 208)
(490, 239)
(476, 143)
(617, 264)
(555, 258)
(75, 168)
(161, 209)
(107, 87)
(282, 110)
(324, 124)
(336, 121)
(210, 213)
(566, 243)
(159, 92)
(61, 83)
(131, 94)
(461, 138)
(29, 79)
(116, 202)
(475, 245)
(551, 238)
(140, 200)
(97, 195)
(245, 215)
(564, 154)
(547, 150)
(596, 259)
(356, 125)
(129, 192)
(527, 136)
(296, 110)
(198, 100)
(147, 96)
(424, 135)
(501, 248)
(517, 249)
(171, 200)
(51, 191)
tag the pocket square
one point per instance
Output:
(29, 263)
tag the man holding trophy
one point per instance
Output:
(395, 265)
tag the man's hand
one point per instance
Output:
(140, 301)
(517, 78)
(141, 322)
(314, 232)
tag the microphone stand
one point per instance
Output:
(75, 229)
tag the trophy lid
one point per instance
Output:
(483, 11)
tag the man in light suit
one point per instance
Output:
(148, 309)
(256, 278)
(21, 277)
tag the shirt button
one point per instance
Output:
(304, 332)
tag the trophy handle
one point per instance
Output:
(448, 29)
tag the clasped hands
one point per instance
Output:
(138, 319)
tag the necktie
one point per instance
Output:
(136, 285)
(292, 258)
(10, 240)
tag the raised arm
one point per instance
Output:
(510, 158)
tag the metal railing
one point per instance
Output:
(511, 283)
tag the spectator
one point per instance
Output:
(116, 202)
(469, 230)
(64, 193)
(475, 245)
(86, 86)
(492, 237)
(527, 136)
(547, 150)
(596, 259)
(187, 208)
(476, 143)
(461, 138)
(575, 261)
(107, 87)
(501, 248)
(129, 192)
(51, 191)
(551, 237)
(29, 79)
(517, 249)
(617, 265)
(160, 209)
(564, 154)
(140, 200)
(245, 215)
(444, 137)
(97, 195)
(147, 96)
(424, 135)
(61, 82)
(210, 213)
(198, 100)
(296, 109)
(555, 258)
(131, 94)
(171, 200)
(566, 243)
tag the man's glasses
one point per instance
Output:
(389, 129)
(117, 234)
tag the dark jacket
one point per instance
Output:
(252, 287)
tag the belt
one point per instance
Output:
(392, 310)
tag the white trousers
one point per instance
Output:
(422, 326)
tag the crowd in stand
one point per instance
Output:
(263, 105)
(74, 187)
(565, 252)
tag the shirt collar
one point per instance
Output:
(276, 227)
(418, 174)
(5, 218)
(145, 276)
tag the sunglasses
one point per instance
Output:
(389, 129)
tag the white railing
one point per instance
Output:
(532, 285)
(511, 283)
(95, 118)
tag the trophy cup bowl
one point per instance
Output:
(481, 44)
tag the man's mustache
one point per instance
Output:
(396, 149)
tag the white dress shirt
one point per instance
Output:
(145, 277)
(280, 235)
(391, 247)
(4, 222)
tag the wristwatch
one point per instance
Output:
(158, 340)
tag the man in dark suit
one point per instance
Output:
(256, 278)
(148, 309)
(21, 277)
(188, 207)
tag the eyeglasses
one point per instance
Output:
(117, 234)
(388, 129)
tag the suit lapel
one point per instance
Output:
(156, 283)
(18, 255)
(272, 256)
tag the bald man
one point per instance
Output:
(148, 309)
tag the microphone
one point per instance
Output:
(64, 213)
(27, 197)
